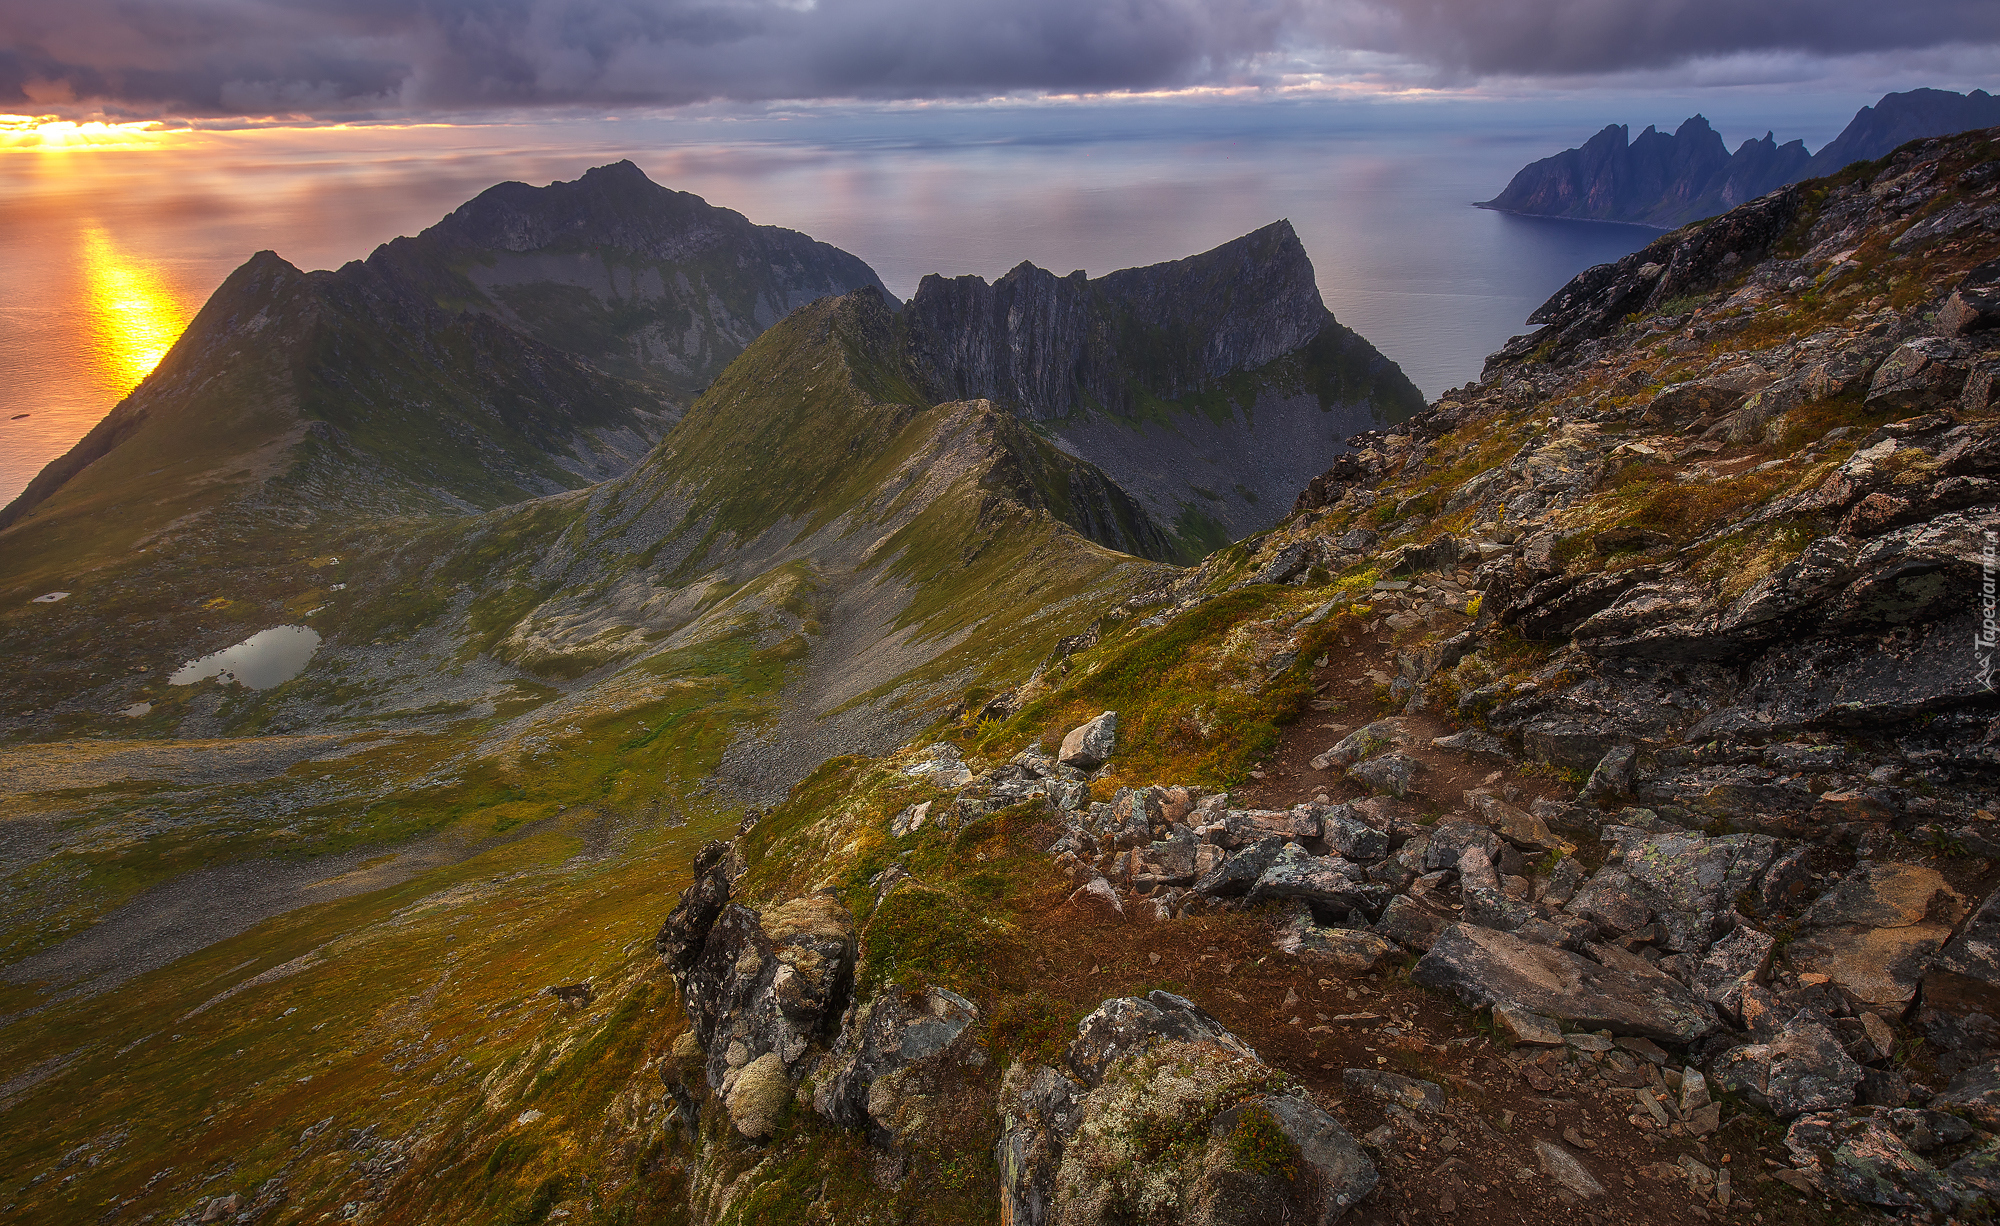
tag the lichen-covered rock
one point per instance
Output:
(1412, 924)
(1170, 1118)
(1328, 883)
(1350, 951)
(1516, 825)
(1691, 881)
(881, 1040)
(767, 985)
(1486, 903)
(1732, 965)
(1362, 743)
(1233, 877)
(1804, 1069)
(1484, 967)
(686, 928)
(1873, 1156)
(1876, 932)
(1392, 774)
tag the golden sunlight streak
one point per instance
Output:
(134, 317)
(45, 132)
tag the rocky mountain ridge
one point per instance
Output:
(1687, 576)
(1668, 181)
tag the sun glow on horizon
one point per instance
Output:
(135, 318)
(46, 132)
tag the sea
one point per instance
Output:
(110, 240)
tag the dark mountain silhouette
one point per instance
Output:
(1668, 181)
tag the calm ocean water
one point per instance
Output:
(108, 252)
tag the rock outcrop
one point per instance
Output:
(1221, 1140)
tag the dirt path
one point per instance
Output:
(1478, 1157)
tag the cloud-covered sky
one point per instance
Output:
(336, 58)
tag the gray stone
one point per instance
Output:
(1612, 776)
(1238, 827)
(1484, 967)
(767, 985)
(1974, 1093)
(1128, 1024)
(1162, 1067)
(1392, 774)
(1234, 876)
(1733, 964)
(1486, 904)
(1608, 900)
(1408, 1092)
(1876, 932)
(1561, 884)
(1872, 1156)
(1473, 741)
(1567, 1170)
(1362, 743)
(1691, 881)
(685, 931)
(1089, 746)
(1525, 1029)
(1519, 827)
(1350, 837)
(1961, 989)
(1450, 838)
(1412, 924)
(880, 1041)
(1038, 1109)
(1804, 1069)
(1351, 951)
(1327, 882)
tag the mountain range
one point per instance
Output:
(811, 788)
(1668, 181)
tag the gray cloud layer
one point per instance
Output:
(332, 57)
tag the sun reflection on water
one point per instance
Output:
(135, 318)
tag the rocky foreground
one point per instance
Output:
(1663, 858)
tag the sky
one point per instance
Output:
(205, 61)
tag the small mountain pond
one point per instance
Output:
(267, 658)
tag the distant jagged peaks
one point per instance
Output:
(1669, 181)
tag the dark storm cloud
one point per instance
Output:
(1578, 37)
(331, 57)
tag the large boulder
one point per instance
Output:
(1804, 1069)
(1169, 1117)
(1484, 967)
(1089, 746)
(1876, 932)
(872, 1076)
(764, 990)
(1691, 881)
(1874, 1156)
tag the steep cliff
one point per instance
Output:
(1668, 181)
(1201, 385)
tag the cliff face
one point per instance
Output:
(1201, 385)
(1668, 181)
(1050, 347)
